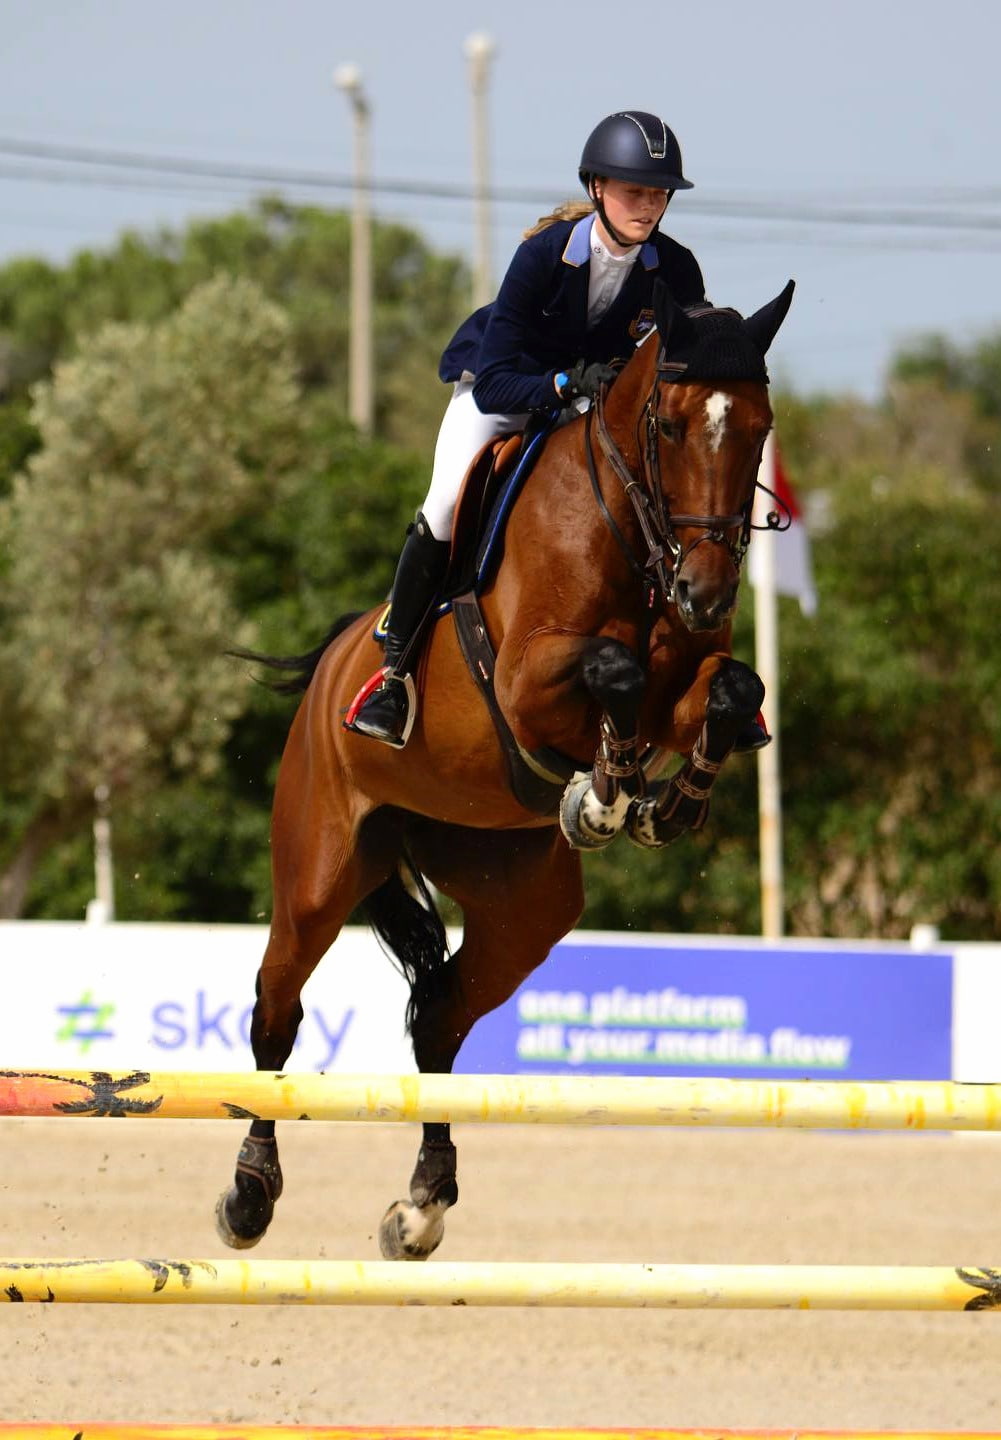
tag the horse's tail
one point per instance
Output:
(411, 932)
(301, 668)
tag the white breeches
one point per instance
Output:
(464, 432)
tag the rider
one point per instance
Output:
(577, 295)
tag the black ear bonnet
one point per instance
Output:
(706, 344)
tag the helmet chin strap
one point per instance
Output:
(599, 205)
(610, 229)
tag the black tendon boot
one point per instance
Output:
(386, 712)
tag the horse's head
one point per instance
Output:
(705, 422)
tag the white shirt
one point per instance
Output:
(607, 277)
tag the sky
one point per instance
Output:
(852, 146)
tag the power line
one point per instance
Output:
(826, 213)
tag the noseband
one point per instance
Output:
(646, 495)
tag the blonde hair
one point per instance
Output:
(569, 210)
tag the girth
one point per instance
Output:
(539, 777)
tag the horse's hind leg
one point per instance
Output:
(520, 892)
(244, 1211)
(319, 877)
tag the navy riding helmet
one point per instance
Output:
(636, 146)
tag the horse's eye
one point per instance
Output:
(670, 429)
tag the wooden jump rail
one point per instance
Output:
(506, 1099)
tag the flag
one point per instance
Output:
(793, 573)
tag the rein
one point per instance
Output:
(657, 524)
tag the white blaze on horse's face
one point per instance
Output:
(717, 407)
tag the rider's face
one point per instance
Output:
(632, 210)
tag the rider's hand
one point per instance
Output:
(584, 379)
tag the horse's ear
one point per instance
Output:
(673, 325)
(763, 325)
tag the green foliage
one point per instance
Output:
(198, 846)
(936, 371)
(154, 440)
(299, 256)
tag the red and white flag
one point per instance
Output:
(793, 572)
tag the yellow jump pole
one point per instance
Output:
(511, 1099)
(37, 1431)
(608, 1286)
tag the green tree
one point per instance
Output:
(156, 439)
(937, 372)
(300, 258)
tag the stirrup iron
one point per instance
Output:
(383, 677)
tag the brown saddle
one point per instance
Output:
(480, 491)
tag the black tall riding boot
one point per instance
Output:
(387, 713)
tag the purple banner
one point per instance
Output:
(610, 1008)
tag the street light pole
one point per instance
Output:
(480, 49)
(360, 387)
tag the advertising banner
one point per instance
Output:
(607, 1006)
(179, 997)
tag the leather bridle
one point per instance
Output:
(666, 555)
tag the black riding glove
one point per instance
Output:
(586, 380)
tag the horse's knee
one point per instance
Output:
(615, 678)
(735, 692)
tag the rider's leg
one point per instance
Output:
(384, 714)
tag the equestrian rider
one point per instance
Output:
(577, 295)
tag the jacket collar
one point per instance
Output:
(578, 247)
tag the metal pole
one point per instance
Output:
(766, 650)
(480, 49)
(360, 386)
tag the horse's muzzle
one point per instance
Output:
(704, 610)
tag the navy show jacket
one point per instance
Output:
(537, 326)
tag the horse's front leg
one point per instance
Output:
(594, 808)
(682, 802)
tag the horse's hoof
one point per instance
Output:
(409, 1233)
(227, 1233)
(578, 832)
(646, 830)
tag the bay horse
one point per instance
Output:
(610, 619)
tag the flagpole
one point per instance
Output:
(766, 659)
